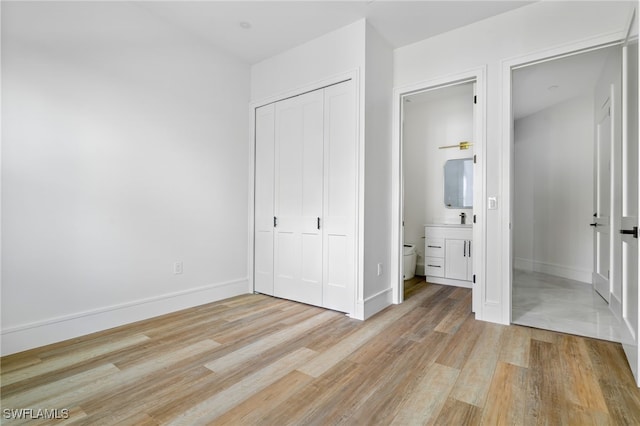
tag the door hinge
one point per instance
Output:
(275, 221)
(475, 160)
(474, 218)
(475, 99)
(474, 278)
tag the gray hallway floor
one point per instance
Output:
(559, 304)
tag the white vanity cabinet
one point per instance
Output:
(447, 254)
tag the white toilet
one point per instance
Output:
(409, 261)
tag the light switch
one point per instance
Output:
(493, 203)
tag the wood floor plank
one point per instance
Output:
(581, 384)
(615, 381)
(514, 345)
(36, 394)
(141, 396)
(222, 402)
(460, 293)
(70, 359)
(545, 399)
(456, 412)
(249, 351)
(426, 400)
(254, 410)
(276, 362)
(8, 364)
(397, 381)
(457, 352)
(75, 415)
(475, 378)
(370, 328)
(456, 315)
(114, 381)
(505, 400)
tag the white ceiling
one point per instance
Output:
(275, 25)
(572, 76)
(280, 25)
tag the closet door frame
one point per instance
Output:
(353, 75)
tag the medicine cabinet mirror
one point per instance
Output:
(458, 183)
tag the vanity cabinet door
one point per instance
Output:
(469, 262)
(456, 259)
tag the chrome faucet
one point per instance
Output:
(463, 217)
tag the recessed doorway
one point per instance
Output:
(565, 113)
(437, 121)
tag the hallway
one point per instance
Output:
(553, 303)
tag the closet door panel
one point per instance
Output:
(340, 197)
(264, 192)
(298, 198)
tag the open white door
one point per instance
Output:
(602, 199)
(628, 235)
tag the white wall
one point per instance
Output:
(553, 196)
(377, 213)
(125, 149)
(444, 118)
(334, 53)
(533, 28)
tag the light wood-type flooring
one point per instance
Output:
(258, 360)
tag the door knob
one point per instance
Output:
(633, 231)
(593, 224)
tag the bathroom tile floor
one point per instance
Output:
(553, 303)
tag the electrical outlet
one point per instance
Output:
(379, 269)
(177, 268)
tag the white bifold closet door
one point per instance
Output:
(264, 218)
(298, 198)
(310, 240)
(340, 197)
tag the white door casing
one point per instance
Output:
(602, 201)
(477, 76)
(298, 198)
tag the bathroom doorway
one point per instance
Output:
(566, 120)
(438, 124)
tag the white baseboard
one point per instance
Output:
(553, 269)
(377, 302)
(615, 306)
(36, 334)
